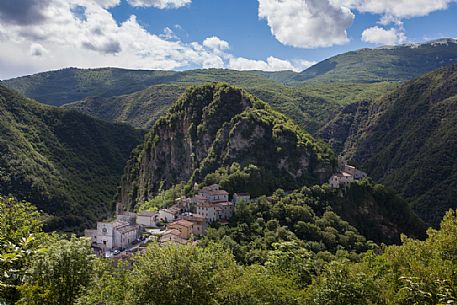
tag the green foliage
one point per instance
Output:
(20, 236)
(301, 218)
(58, 275)
(406, 140)
(396, 63)
(305, 219)
(66, 271)
(337, 285)
(139, 98)
(165, 198)
(109, 284)
(258, 286)
(67, 163)
(181, 275)
(227, 134)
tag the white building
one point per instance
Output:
(341, 179)
(170, 214)
(147, 219)
(208, 211)
(113, 235)
(225, 211)
(214, 194)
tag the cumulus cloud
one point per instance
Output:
(83, 33)
(382, 36)
(162, 4)
(168, 34)
(23, 12)
(271, 64)
(215, 43)
(307, 23)
(37, 49)
(399, 8)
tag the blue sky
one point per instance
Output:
(244, 34)
(237, 22)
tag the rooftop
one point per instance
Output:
(126, 229)
(181, 222)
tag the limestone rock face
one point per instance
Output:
(216, 125)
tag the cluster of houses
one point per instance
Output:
(345, 175)
(188, 218)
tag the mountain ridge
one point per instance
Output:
(406, 140)
(217, 125)
(68, 163)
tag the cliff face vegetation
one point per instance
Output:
(69, 164)
(407, 140)
(216, 125)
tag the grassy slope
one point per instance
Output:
(67, 163)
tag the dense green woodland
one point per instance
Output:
(407, 141)
(138, 98)
(41, 268)
(388, 63)
(67, 163)
(214, 126)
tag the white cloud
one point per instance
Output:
(91, 38)
(271, 64)
(37, 49)
(215, 43)
(162, 4)
(168, 34)
(382, 36)
(307, 23)
(399, 8)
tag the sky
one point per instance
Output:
(270, 35)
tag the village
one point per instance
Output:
(187, 220)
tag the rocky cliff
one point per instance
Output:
(216, 125)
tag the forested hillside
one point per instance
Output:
(390, 63)
(280, 269)
(139, 97)
(214, 126)
(407, 140)
(68, 163)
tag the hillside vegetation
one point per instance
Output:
(407, 140)
(139, 97)
(310, 104)
(396, 63)
(280, 269)
(215, 126)
(69, 164)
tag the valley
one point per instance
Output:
(334, 185)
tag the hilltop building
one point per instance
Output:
(346, 175)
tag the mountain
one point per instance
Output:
(70, 85)
(139, 109)
(407, 140)
(389, 63)
(68, 163)
(138, 97)
(214, 126)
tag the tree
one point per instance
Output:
(58, 275)
(20, 237)
(184, 275)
